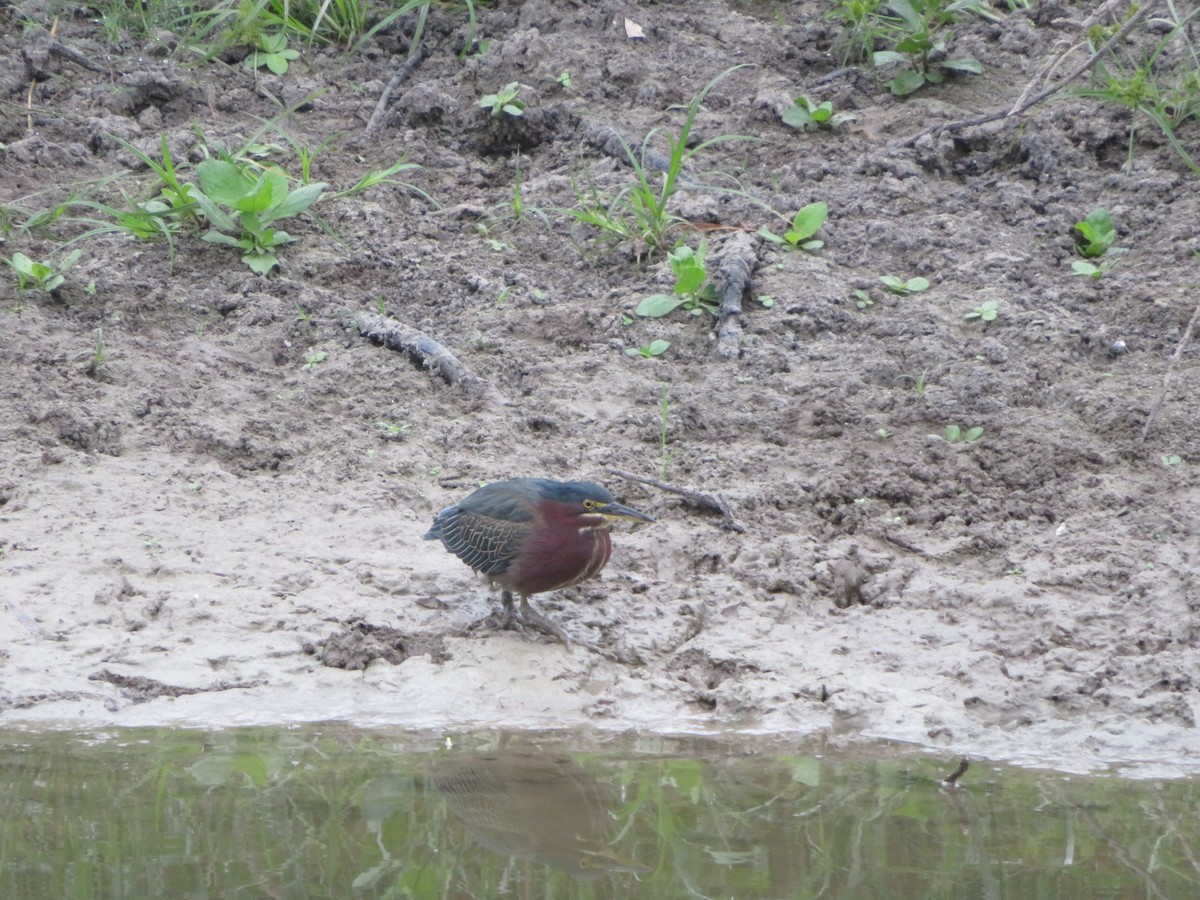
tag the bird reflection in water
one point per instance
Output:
(543, 809)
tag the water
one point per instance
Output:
(338, 812)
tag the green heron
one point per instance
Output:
(531, 535)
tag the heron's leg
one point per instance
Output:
(509, 615)
(540, 622)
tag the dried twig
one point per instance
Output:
(737, 261)
(1026, 102)
(714, 502)
(406, 68)
(421, 347)
(1171, 366)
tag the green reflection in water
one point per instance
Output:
(339, 812)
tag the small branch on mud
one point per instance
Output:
(406, 68)
(608, 140)
(952, 778)
(1026, 102)
(425, 350)
(139, 688)
(738, 257)
(1171, 366)
(716, 502)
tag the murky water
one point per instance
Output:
(337, 812)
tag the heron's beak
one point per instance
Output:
(616, 511)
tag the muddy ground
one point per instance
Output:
(210, 528)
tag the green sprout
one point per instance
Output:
(651, 350)
(257, 199)
(41, 276)
(805, 115)
(805, 224)
(1096, 234)
(692, 290)
(505, 101)
(902, 287)
(985, 311)
(956, 435)
(272, 51)
(313, 359)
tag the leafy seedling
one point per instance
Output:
(805, 224)
(985, 311)
(766, 300)
(564, 79)
(1093, 270)
(862, 299)
(1171, 459)
(272, 51)
(919, 28)
(1096, 234)
(904, 288)
(651, 350)
(41, 276)
(692, 290)
(257, 202)
(504, 102)
(314, 359)
(805, 115)
(956, 435)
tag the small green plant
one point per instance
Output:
(1096, 234)
(859, 20)
(273, 52)
(99, 357)
(862, 299)
(41, 276)
(564, 79)
(766, 300)
(956, 435)
(313, 359)
(985, 311)
(903, 288)
(640, 212)
(1092, 270)
(391, 431)
(805, 115)
(805, 224)
(664, 419)
(650, 350)
(692, 290)
(257, 202)
(919, 30)
(504, 102)
(1171, 459)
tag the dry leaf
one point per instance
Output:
(633, 30)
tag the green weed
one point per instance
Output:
(903, 288)
(805, 115)
(650, 350)
(273, 53)
(920, 35)
(956, 435)
(1096, 233)
(641, 211)
(692, 290)
(805, 224)
(504, 102)
(257, 201)
(987, 311)
(41, 276)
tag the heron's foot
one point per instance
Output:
(535, 619)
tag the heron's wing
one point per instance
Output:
(485, 543)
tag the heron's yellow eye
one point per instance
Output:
(590, 504)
